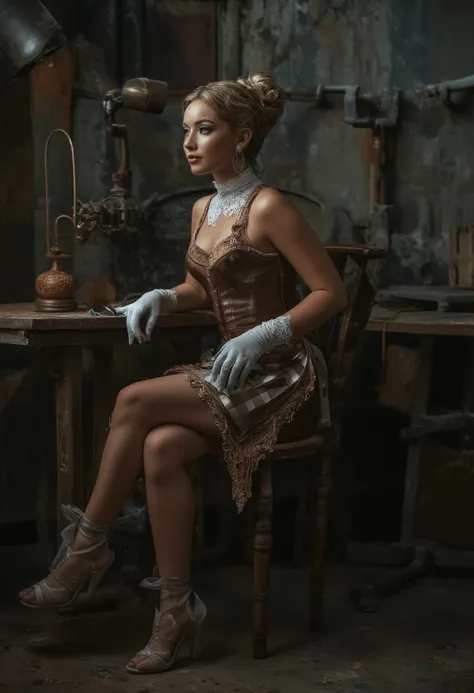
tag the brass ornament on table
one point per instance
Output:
(56, 288)
(118, 211)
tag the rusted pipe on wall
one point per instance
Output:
(321, 90)
(361, 110)
(377, 169)
(453, 93)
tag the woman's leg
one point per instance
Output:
(139, 408)
(169, 493)
(171, 504)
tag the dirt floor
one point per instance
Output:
(421, 641)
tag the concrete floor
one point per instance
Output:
(421, 641)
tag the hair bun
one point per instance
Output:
(271, 96)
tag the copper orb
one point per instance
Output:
(55, 287)
(55, 283)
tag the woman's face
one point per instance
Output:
(210, 143)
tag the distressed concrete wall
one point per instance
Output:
(374, 43)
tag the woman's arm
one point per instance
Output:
(287, 229)
(274, 218)
(190, 295)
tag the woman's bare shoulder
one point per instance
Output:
(270, 201)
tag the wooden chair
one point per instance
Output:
(338, 341)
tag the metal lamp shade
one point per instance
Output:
(28, 32)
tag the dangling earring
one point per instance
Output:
(239, 161)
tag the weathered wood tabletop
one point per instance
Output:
(21, 324)
(422, 322)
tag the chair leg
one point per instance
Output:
(319, 521)
(262, 544)
(198, 534)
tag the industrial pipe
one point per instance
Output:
(461, 84)
(444, 91)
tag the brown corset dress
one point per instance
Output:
(246, 287)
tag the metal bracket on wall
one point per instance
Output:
(360, 110)
(453, 93)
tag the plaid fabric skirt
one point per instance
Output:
(250, 419)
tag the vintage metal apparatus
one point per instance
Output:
(118, 211)
(56, 287)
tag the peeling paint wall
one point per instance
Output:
(303, 43)
(374, 43)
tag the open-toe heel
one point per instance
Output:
(48, 597)
(172, 627)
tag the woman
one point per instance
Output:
(247, 245)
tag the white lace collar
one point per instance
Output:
(232, 195)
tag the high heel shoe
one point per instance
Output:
(171, 629)
(48, 597)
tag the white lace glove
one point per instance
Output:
(147, 308)
(235, 360)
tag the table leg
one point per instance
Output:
(103, 406)
(468, 396)
(369, 594)
(70, 486)
(420, 405)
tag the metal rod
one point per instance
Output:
(312, 95)
(377, 172)
(461, 84)
(46, 184)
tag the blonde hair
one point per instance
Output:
(255, 102)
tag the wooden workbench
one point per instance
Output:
(434, 323)
(428, 325)
(58, 340)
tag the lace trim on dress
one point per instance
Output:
(243, 456)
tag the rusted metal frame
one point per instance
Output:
(384, 106)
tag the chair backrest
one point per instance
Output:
(340, 337)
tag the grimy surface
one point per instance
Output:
(421, 641)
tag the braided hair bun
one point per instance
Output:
(271, 98)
